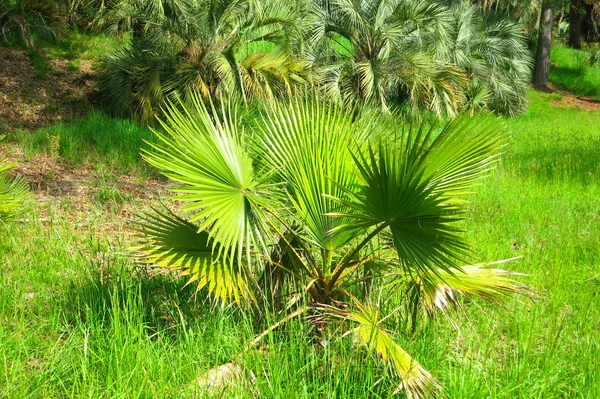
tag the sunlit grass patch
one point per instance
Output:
(78, 319)
(95, 140)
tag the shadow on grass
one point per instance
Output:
(574, 80)
(135, 299)
(579, 164)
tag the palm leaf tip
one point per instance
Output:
(415, 380)
(443, 289)
(168, 241)
(13, 191)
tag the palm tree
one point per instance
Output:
(12, 192)
(212, 47)
(316, 199)
(382, 50)
(527, 12)
(575, 13)
(22, 18)
(493, 51)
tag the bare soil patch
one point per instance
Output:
(29, 101)
(88, 199)
(569, 100)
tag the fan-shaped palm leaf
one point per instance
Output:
(413, 184)
(205, 152)
(307, 144)
(168, 241)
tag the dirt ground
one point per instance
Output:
(88, 200)
(569, 100)
(29, 101)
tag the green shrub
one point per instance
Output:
(20, 19)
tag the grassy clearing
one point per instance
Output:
(95, 140)
(572, 71)
(80, 320)
(70, 45)
(73, 46)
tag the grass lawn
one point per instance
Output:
(571, 71)
(78, 319)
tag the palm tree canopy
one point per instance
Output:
(326, 196)
(211, 47)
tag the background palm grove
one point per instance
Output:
(299, 199)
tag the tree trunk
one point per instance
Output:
(542, 57)
(575, 24)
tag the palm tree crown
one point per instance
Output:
(319, 200)
(379, 50)
(211, 47)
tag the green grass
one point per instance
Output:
(39, 63)
(69, 45)
(571, 70)
(95, 140)
(74, 45)
(77, 319)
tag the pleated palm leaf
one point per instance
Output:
(382, 50)
(319, 200)
(211, 47)
(13, 191)
(525, 12)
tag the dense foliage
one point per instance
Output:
(427, 54)
(214, 48)
(20, 19)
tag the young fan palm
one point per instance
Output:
(360, 220)
(12, 192)
(211, 47)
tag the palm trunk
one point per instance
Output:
(541, 71)
(575, 24)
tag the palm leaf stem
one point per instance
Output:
(345, 262)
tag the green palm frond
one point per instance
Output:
(494, 52)
(216, 48)
(463, 152)
(388, 50)
(25, 18)
(413, 185)
(415, 380)
(396, 196)
(13, 192)
(307, 143)
(272, 74)
(170, 242)
(205, 152)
